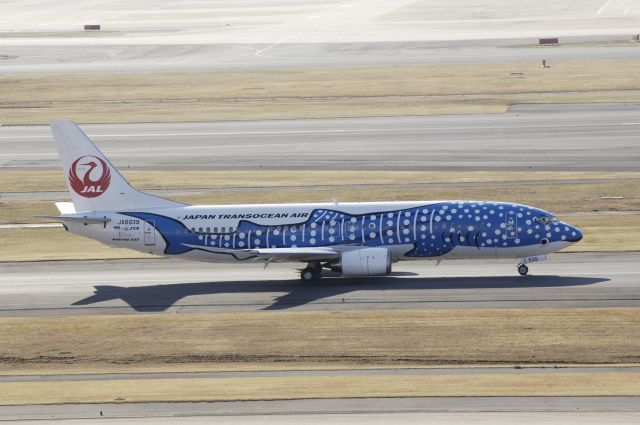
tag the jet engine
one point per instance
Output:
(364, 262)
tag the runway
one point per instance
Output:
(130, 286)
(188, 57)
(417, 410)
(526, 138)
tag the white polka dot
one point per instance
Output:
(389, 232)
(372, 235)
(312, 240)
(373, 217)
(258, 232)
(497, 232)
(226, 244)
(227, 237)
(448, 217)
(517, 241)
(331, 239)
(352, 237)
(313, 233)
(423, 228)
(390, 215)
(406, 222)
(200, 237)
(405, 231)
(437, 218)
(241, 244)
(407, 214)
(242, 235)
(470, 228)
(293, 237)
(257, 242)
(313, 225)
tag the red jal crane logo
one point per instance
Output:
(89, 176)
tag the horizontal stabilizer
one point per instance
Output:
(76, 219)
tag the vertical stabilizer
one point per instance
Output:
(93, 182)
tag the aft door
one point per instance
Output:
(149, 233)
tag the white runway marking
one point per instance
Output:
(604, 6)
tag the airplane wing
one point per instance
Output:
(293, 254)
(275, 255)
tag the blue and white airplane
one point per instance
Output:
(354, 239)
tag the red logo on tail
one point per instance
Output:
(89, 176)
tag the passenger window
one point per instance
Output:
(199, 229)
(215, 230)
(222, 230)
(208, 229)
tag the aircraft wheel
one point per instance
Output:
(523, 270)
(309, 274)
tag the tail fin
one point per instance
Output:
(94, 183)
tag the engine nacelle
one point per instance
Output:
(365, 262)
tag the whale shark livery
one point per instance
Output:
(354, 239)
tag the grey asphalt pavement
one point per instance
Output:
(34, 59)
(129, 286)
(418, 410)
(537, 138)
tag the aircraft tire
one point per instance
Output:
(309, 274)
(523, 269)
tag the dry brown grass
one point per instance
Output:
(335, 339)
(301, 387)
(320, 92)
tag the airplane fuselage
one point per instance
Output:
(409, 230)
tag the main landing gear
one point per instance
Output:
(523, 269)
(311, 273)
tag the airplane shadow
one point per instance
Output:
(157, 298)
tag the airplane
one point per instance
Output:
(354, 239)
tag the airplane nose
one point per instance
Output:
(575, 235)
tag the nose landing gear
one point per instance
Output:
(523, 269)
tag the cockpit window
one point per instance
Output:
(546, 220)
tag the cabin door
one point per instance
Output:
(149, 233)
(511, 224)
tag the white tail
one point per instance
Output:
(94, 183)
